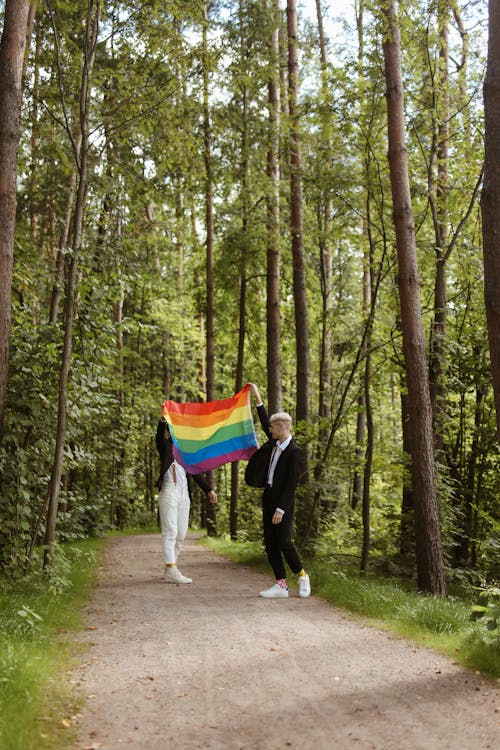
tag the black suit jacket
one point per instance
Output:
(286, 473)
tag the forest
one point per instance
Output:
(196, 195)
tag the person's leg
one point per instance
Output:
(182, 520)
(285, 544)
(272, 544)
(278, 589)
(167, 503)
(292, 557)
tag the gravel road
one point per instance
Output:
(212, 665)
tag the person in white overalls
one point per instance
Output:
(174, 502)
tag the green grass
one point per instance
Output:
(37, 648)
(439, 623)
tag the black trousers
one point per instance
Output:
(278, 539)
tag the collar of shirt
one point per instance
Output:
(284, 444)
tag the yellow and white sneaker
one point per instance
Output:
(304, 586)
(174, 575)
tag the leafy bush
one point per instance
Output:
(487, 609)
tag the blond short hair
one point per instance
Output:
(280, 416)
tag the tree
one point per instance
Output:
(242, 275)
(490, 198)
(273, 324)
(324, 215)
(430, 566)
(81, 155)
(438, 200)
(209, 245)
(12, 52)
(296, 220)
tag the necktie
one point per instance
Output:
(272, 465)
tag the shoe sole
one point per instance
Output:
(274, 596)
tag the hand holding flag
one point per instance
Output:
(208, 435)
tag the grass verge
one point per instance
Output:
(37, 620)
(440, 624)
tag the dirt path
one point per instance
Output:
(212, 665)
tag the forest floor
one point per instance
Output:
(213, 665)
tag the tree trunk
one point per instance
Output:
(430, 565)
(490, 198)
(470, 499)
(367, 469)
(296, 208)
(34, 177)
(324, 213)
(273, 324)
(92, 25)
(12, 51)
(407, 525)
(357, 482)
(438, 191)
(61, 248)
(209, 226)
(244, 196)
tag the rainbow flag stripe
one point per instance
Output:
(207, 435)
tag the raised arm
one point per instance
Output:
(261, 410)
(161, 436)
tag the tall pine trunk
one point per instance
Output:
(242, 281)
(324, 214)
(430, 566)
(490, 198)
(273, 323)
(12, 50)
(296, 219)
(357, 481)
(209, 227)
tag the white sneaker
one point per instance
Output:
(304, 586)
(275, 592)
(174, 575)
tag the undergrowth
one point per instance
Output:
(37, 617)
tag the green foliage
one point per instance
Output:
(37, 617)
(487, 609)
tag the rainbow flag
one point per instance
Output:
(207, 435)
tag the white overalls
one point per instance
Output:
(173, 502)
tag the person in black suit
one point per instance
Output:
(276, 466)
